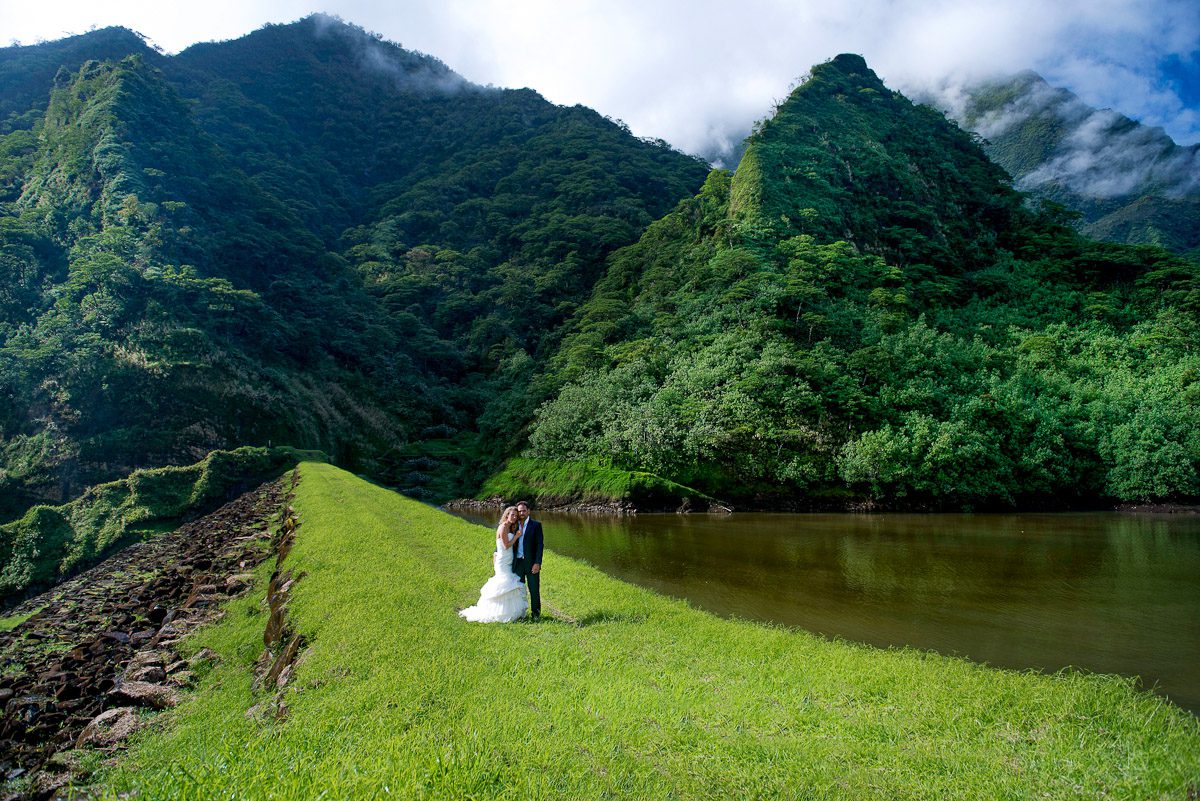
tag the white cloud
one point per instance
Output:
(696, 72)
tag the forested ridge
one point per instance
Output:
(308, 235)
(312, 237)
(867, 311)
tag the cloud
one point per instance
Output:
(1100, 154)
(699, 72)
(406, 72)
(1104, 158)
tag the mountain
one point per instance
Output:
(306, 236)
(867, 312)
(312, 237)
(27, 73)
(1131, 183)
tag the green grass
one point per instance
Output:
(551, 482)
(12, 621)
(639, 696)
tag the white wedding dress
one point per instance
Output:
(502, 599)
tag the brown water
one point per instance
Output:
(1106, 592)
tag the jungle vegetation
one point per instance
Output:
(312, 237)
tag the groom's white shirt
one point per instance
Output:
(521, 539)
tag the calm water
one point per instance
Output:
(1107, 592)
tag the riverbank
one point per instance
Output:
(620, 693)
(1158, 508)
(619, 507)
(586, 487)
(562, 497)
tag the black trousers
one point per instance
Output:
(533, 581)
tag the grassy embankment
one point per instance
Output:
(637, 696)
(552, 483)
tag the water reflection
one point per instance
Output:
(1107, 592)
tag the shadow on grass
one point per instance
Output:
(560, 617)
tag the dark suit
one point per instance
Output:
(532, 544)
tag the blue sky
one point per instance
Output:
(698, 72)
(1182, 73)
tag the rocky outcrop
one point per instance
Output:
(99, 653)
(144, 693)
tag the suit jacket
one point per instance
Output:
(533, 543)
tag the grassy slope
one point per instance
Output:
(645, 697)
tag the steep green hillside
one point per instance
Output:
(27, 73)
(555, 482)
(51, 543)
(305, 236)
(866, 310)
(160, 306)
(620, 694)
(1128, 182)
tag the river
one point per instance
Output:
(1107, 592)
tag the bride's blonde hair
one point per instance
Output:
(504, 514)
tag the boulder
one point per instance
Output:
(150, 674)
(203, 655)
(239, 583)
(46, 783)
(144, 659)
(109, 727)
(141, 693)
(204, 600)
(26, 708)
(140, 638)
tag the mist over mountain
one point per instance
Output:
(1129, 182)
(1096, 153)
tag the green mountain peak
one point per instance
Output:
(866, 307)
(312, 237)
(307, 235)
(846, 158)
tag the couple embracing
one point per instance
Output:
(517, 562)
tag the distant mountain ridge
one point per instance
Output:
(1130, 182)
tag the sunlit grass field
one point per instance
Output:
(622, 694)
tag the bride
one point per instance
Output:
(502, 599)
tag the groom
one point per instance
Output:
(527, 558)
